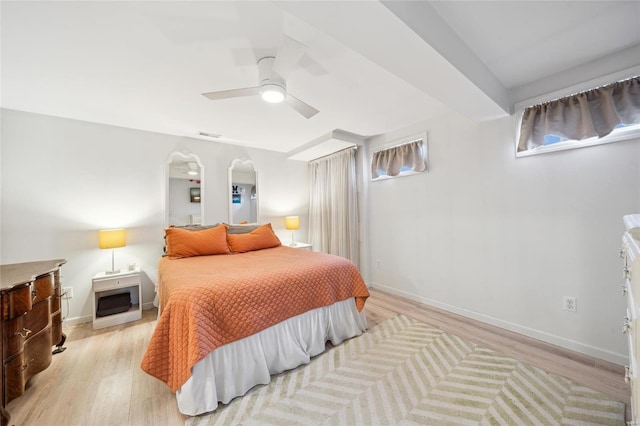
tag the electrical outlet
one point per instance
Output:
(569, 303)
(378, 263)
(67, 292)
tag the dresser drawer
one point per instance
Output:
(13, 336)
(56, 299)
(14, 380)
(42, 288)
(56, 328)
(37, 353)
(19, 330)
(634, 384)
(16, 302)
(111, 283)
(38, 318)
(631, 373)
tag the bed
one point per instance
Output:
(242, 308)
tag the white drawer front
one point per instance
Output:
(109, 283)
(631, 375)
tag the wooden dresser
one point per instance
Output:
(31, 323)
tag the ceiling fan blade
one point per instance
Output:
(233, 93)
(288, 55)
(306, 110)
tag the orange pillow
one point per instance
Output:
(185, 243)
(260, 238)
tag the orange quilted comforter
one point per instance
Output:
(208, 301)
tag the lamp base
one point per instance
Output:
(113, 264)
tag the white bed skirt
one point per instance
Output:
(233, 369)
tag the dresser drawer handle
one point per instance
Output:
(626, 327)
(627, 374)
(26, 333)
(621, 252)
(626, 274)
(624, 290)
(24, 367)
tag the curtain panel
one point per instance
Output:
(333, 205)
(391, 161)
(584, 115)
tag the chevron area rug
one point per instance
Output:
(404, 372)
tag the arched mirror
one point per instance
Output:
(243, 192)
(185, 187)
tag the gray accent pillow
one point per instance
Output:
(197, 227)
(242, 229)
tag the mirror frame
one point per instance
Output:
(240, 161)
(186, 156)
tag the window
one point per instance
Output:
(606, 114)
(399, 160)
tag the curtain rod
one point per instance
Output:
(420, 139)
(581, 92)
(355, 148)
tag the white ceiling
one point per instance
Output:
(540, 39)
(369, 68)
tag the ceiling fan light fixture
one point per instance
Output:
(272, 92)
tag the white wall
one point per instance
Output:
(180, 206)
(503, 239)
(62, 180)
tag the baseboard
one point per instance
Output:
(616, 358)
(88, 318)
(147, 306)
(77, 320)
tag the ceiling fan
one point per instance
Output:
(272, 75)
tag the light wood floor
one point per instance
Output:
(98, 380)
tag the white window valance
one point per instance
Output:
(593, 113)
(408, 157)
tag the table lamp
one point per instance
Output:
(112, 239)
(292, 223)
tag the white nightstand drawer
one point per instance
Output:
(298, 245)
(116, 282)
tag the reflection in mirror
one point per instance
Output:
(184, 190)
(243, 192)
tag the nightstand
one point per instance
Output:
(112, 284)
(299, 245)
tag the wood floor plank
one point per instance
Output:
(115, 388)
(98, 379)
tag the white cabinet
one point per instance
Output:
(630, 254)
(111, 284)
